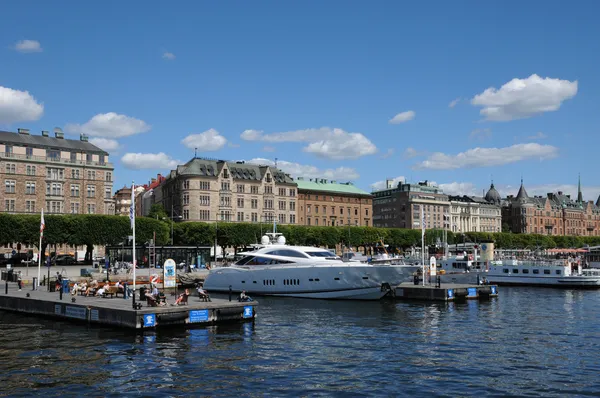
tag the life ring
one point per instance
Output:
(154, 279)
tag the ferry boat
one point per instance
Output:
(277, 269)
(558, 273)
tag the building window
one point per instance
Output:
(240, 188)
(254, 217)
(75, 174)
(282, 205)
(225, 173)
(281, 191)
(240, 216)
(74, 208)
(108, 176)
(240, 202)
(9, 205)
(225, 201)
(53, 206)
(30, 188)
(107, 193)
(308, 207)
(205, 185)
(367, 212)
(268, 189)
(225, 186)
(282, 218)
(268, 204)
(30, 170)
(186, 199)
(186, 214)
(204, 200)
(11, 168)
(205, 215)
(55, 174)
(54, 189)
(292, 219)
(91, 192)
(91, 175)
(10, 186)
(88, 158)
(254, 189)
(30, 206)
(293, 206)
(53, 154)
(254, 203)
(186, 184)
(91, 208)
(307, 220)
(75, 190)
(8, 150)
(73, 157)
(268, 178)
(101, 159)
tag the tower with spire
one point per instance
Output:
(522, 195)
(579, 194)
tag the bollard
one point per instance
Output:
(34, 284)
(125, 291)
(61, 292)
(478, 281)
(229, 292)
(133, 301)
(6, 287)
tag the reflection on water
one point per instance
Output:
(528, 341)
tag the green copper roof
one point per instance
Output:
(328, 186)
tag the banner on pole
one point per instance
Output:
(169, 279)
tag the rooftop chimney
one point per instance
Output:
(58, 133)
(83, 137)
(23, 131)
(45, 133)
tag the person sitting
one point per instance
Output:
(244, 297)
(202, 294)
(75, 289)
(93, 286)
(182, 299)
(100, 292)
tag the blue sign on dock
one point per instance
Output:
(248, 311)
(149, 320)
(472, 292)
(198, 316)
(450, 293)
(494, 291)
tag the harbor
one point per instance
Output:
(444, 292)
(117, 312)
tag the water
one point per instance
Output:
(529, 341)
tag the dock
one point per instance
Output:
(119, 312)
(444, 292)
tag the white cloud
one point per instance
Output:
(403, 117)
(460, 189)
(28, 46)
(18, 106)
(209, 140)
(389, 153)
(379, 185)
(110, 125)
(410, 153)
(454, 102)
(139, 161)
(326, 142)
(308, 171)
(105, 143)
(485, 157)
(169, 56)
(523, 98)
(538, 136)
(481, 134)
(268, 149)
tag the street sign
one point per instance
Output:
(14, 252)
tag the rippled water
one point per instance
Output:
(527, 342)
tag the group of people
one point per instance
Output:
(94, 288)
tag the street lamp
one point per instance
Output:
(171, 218)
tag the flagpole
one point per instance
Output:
(42, 224)
(132, 217)
(423, 243)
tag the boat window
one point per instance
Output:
(547, 272)
(505, 270)
(515, 270)
(244, 260)
(557, 272)
(286, 253)
(323, 253)
(525, 271)
(536, 271)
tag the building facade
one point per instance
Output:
(60, 175)
(475, 213)
(400, 206)
(322, 202)
(122, 200)
(553, 214)
(216, 190)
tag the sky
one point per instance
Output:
(460, 93)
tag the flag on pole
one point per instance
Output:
(42, 223)
(423, 222)
(132, 208)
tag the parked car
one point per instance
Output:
(64, 260)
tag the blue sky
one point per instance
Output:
(344, 90)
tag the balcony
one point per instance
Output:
(45, 159)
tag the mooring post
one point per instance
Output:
(229, 292)
(61, 292)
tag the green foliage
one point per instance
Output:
(157, 212)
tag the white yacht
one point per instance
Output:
(559, 273)
(277, 269)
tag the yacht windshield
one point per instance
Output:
(321, 254)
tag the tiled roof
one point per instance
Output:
(238, 170)
(39, 141)
(329, 186)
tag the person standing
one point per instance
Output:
(19, 281)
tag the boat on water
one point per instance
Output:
(551, 273)
(277, 269)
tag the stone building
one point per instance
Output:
(122, 199)
(63, 176)
(216, 190)
(400, 206)
(553, 214)
(323, 202)
(475, 213)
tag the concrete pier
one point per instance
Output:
(445, 292)
(119, 312)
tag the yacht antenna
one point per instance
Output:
(274, 225)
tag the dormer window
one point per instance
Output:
(268, 178)
(225, 173)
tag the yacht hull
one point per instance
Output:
(347, 282)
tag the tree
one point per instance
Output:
(158, 212)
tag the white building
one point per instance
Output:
(476, 214)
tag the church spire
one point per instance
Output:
(579, 194)
(522, 195)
